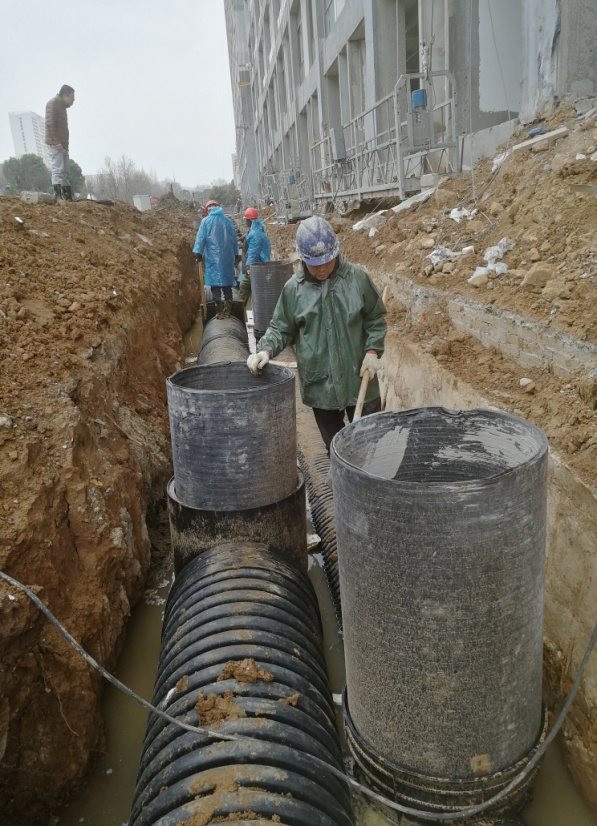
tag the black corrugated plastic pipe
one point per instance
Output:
(230, 327)
(233, 435)
(267, 280)
(223, 348)
(281, 526)
(242, 633)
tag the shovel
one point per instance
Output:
(358, 410)
(202, 290)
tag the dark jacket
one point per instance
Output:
(56, 122)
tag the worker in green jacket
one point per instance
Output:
(331, 310)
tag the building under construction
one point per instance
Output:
(337, 101)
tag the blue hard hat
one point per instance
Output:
(316, 241)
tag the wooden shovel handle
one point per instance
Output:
(358, 410)
(202, 289)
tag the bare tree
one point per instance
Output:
(104, 183)
(170, 185)
(121, 180)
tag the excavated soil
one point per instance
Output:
(212, 709)
(94, 300)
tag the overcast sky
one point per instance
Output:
(151, 81)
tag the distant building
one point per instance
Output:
(245, 162)
(29, 135)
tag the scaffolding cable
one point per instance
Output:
(470, 96)
(497, 53)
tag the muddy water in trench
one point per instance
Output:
(192, 339)
(106, 796)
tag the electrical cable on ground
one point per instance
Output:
(416, 813)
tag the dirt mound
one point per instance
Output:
(282, 237)
(170, 203)
(93, 301)
(535, 201)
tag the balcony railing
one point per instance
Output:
(387, 149)
(290, 192)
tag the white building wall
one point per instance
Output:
(245, 160)
(541, 25)
(500, 56)
(28, 135)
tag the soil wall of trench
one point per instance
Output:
(92, 315)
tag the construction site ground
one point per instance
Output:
(94, 303)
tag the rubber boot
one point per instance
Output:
(67, 193)
(227, 308)
(220, 309)
(57, 192)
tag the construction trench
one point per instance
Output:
(95, 304)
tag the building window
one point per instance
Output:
(301, 60)
(267, 37)
(310, 36)
(332, 12)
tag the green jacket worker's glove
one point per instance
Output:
(370, 363)
(257, 361)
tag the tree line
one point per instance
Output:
(117, 180)
(29, 172)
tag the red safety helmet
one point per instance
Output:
(210, 204)
(251, 213)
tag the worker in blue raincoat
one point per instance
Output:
(256, 248)
(216, 244)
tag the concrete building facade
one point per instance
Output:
(336, 100)
(246, 168)
(29, 135)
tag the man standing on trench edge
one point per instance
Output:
(332, 311)
(57, 141)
